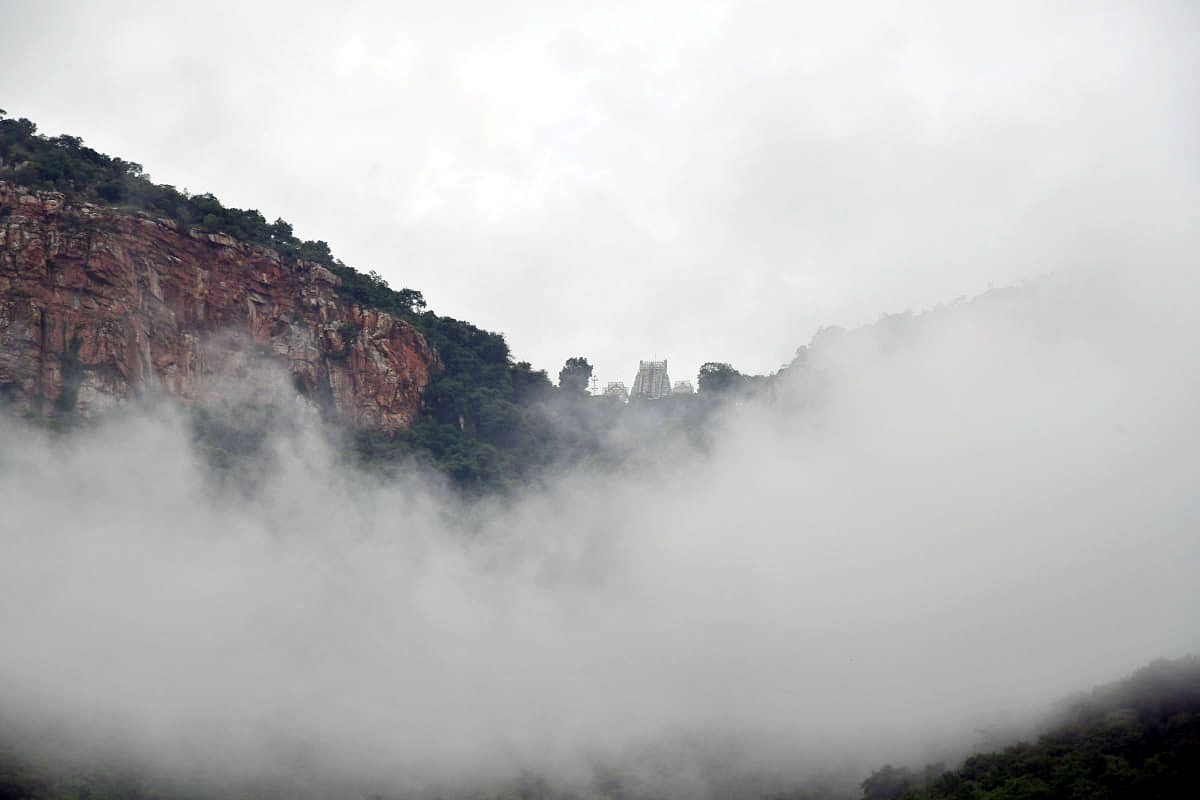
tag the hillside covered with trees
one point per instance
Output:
(489, 421)
(1137, 739)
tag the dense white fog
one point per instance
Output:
(919, 538)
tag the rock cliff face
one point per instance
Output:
(99, 306)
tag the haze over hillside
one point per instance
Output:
(884, 546)
(920, 536)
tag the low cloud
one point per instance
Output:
(923, 534)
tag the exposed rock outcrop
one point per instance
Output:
(99, 305)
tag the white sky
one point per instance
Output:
(691, 181)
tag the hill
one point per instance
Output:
(1136, 738)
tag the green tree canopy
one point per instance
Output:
(574, 375)
(716, 377)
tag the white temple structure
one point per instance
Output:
(652, 381)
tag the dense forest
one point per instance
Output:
(1136, 739)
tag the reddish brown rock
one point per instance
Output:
(99, 306)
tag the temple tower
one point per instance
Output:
(652, 381)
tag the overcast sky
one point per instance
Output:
(687, 180)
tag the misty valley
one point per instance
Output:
(272, 528)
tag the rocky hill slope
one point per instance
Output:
(99, 305)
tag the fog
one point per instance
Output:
(915, 541)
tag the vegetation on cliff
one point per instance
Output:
(477, 424)
(65, 164)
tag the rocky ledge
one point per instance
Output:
(99, 305)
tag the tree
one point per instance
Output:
(889, 783)
(281, 231)
(529, 385)
(411, 299)
(717, 377)
(574, 375)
